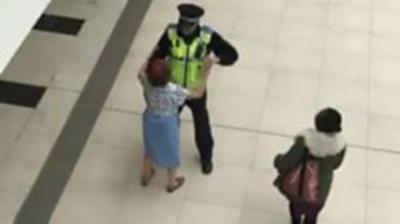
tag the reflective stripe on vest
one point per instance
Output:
(186, 62)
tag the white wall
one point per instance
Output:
(17, 17)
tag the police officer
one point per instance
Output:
(185, 46)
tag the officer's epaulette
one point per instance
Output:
(172, 25)
(207, 29)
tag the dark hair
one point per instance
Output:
(328, 120)
(157, 72)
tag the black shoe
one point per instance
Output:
(206, 167)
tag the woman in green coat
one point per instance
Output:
(325, 145)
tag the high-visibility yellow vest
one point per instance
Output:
(186, 62)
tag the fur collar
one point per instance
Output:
(322, 145)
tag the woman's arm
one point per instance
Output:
(336, 161)
(141, 73)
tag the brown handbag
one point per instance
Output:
(301, 183)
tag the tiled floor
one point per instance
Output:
(301, 56)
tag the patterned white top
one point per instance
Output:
(165, 100)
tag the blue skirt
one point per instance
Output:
(161, 139)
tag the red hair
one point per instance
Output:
(157, 72)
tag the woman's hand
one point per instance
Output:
(214, 59)
(208, 63)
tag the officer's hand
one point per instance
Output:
(208, 62)
(214, 59)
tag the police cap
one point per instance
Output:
(190, 12)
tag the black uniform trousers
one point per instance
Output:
(203, 135)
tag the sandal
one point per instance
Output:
(179, 182)
(146, 180)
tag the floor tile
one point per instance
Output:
(350, 15)
(343, 94)
(299, 33)
(353, 211)
(233, 147)
(383, 44)
(256, 217)
(194, 212)
(255, 6)
(384, 20)
(52, 112)
(382, 206)
(225, 110)
(108, 166)
(127, 95)
(305, 60)
(387, 4)
(384, 68)
(262, 196)
(353, 170)
(361, 3)
(150, 207)
(284, 87)
(383, 132)
(241, 82)
(23, 69)
(286, 119)
(250, 56)
(225, 26)
(380, 167)
(252, 32)
(384, 99)
(233, 6)
(212, 189)
(100, 204)
(146, 39)
(311, 11)
(355, 126)
(268, 147)
(348, 66)
(11, 201)
(118, 129)
(347, 40)
(13, 119)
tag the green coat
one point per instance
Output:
(327, 164)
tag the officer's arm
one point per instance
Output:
(225, 52)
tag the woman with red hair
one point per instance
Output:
(161, 121)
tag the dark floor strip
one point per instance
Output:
(50, 184)
(4, 87)
(20, 94)
(59, 24)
